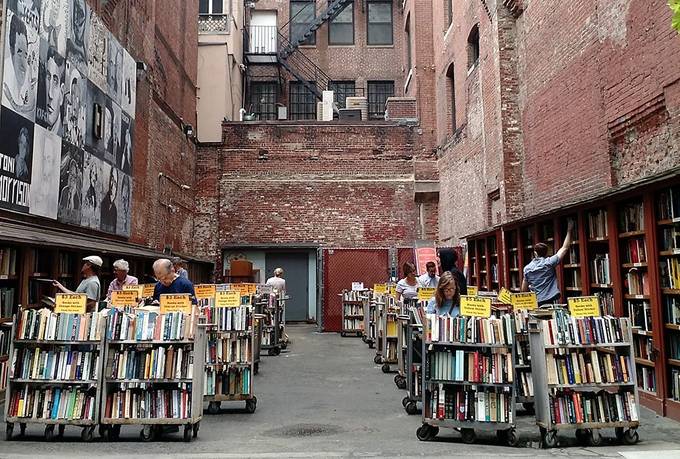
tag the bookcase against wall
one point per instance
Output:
(56, 366)
(352, 312)
(485, 262)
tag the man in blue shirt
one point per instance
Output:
(540, 275)
(169, 281)
(430, 278)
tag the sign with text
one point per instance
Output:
(380, 289)
(472, 290)
(264, 289)
(392, 290)
(122, 298)
(475, 306)
(244, 289)
(228, 299)
(504, 296)
(138, 289)
(584, 306)
(425, 293)
(148, 290)
(357, 286)
(525, 300)
(70, 303)
(175, 303)
(425, 251)
(204, 291)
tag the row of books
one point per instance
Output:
(672, 308)
(587, 367)
(7, 301)
(564, 329)
(150, 325)
(633, 251)
(597, 224)
(149, 403)
(71, 403)
(470, 329)
(675, 384)
(468, 404)
(669, 204)
(522, 353)
(60, 363)
(173, 362)
(8, 261)
(391, 351)
(572, 407)
(353, 295)
(643, 347)
(572, 277)
(646, 378)
(669, 272)
(669, 239)
(352, 324)
(600, 267)
(674, 346)
(227, 381)
(470, 366)
(525, 386)
(229, 349)
(632, 218)
(606, 300)
(353, 309)
(231, 319)
(45, 325)
(4, 373)
(5, 339)
(637, 282)
(640, 313)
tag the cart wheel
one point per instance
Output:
(343, 334)
(528, 408)
(594, 437)
(49, 432)
(256, 367)
(411, 407)
(251, 405)
(214, 407)
(277, 351)
(371, 346)
(630, 437)
(401, 383)
(549, 438)
(103, 430)
(386, 368)
(377, 359)
(284, 346)
(115, 432)
(426, 432)
(468, 435)
(582, 436)
(22, 429)
(188, 432)
(363, 338)
(87, 434)
(61, 429)
(146, 433)
(196, 427)
(511, 437)
(397, 377)
(9, 430)
(404, 401)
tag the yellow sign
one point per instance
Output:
(584, 306)
(228, 299)
(245, 289)
(392, 289)
(205, 291)
(475, 306)
(148, 290)
(175, 303)
(504, 296)
(472, 290)
(122, 298)
(71, 303)
(380, 289)
(425, 293)
(526, 301)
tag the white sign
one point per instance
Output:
(357, 286)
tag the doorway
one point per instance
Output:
(296, 272)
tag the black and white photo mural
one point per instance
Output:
(67, 116)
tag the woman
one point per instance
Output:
(446, 299)
(407, 288)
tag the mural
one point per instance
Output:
(67, 116)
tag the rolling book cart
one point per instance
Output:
(153, 373)
(403, 322)
(55, 367)
(468, 377)
(371, 320)
(585, 379)
(273, 326)
(523, 376)
(352, 312)
(414, 359)
(390, 334)
(381, 317)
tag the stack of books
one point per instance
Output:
(474, 330)
(132, 403)
(481, 366)
(150, 325)
(173, 362)
(587, 367)
(69, 403)
(61, 363)
(46, 325)
(571, 407)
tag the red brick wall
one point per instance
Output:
(401, 108)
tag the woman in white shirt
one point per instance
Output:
(407, 288)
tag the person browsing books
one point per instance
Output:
(178, 263)
(169, 282)
(446, 299)
(540, 276)
(277, 281)
(121, 268)
(430, 278)
(448, 259)
(90, 284)
(407, 288)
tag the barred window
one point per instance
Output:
(263, 99)
(342, 90)
(378, 93)
(302, 102)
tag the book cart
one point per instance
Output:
(380, 307)
(44, 386)
(414, 359)
(273, 326)
(390, 333)
(468, 377)
(153, 372)
(585, 379)
(369, 335)
(353, 312)
(523, 375)
(400, 378)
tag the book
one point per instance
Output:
(467, 403)
(45, 325)
(53, 403)
(473, 330)
(143, 403)
(149, 325)
(584, 367)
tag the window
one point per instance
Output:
(343, 90)
(302, 102)
(206, 7)
(473, 47)
(409, 64)
(341, 29)
(451, 90)
(378, 92)
(379, 22)
(302, 14)
(449, 12)
(263, 100)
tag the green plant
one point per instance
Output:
(675, 7)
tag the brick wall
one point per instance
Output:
(401, 108)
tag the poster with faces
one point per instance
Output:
(67, 116)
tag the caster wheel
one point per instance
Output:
(61, 430)
(284, 346)
(214, 407)
(343, 334)
(277, 351)
(594, 438)
(22, 429)
(385, 368)
(251, 405)
(404, 401)
(582, 436)
(377, 359)
(188, 433)
(196, 427)
(371, 346)
(115, 432)
(87, 434)
(468, 435)
(103, 431)
(397, 378)
(363, 338)
(9, 430)
(401, 384)
(411, 408)
(426, 432)
(549, 438)
(528, 408)
(49, 432)
(630, 437)
(511, 437)
(147, 433)
(256, 368)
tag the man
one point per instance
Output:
(22, 159)
(430, 278)
(70, 195)
(448, 259)
(539, 274)
(169, 282)
(109, 212)
(178, 263)
(121, 268)
(76, 40)
(90, 284)
(52, 92)
(18, 90)
(277, 281)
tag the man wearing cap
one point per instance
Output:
(90, 284)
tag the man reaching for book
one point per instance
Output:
(540, 276)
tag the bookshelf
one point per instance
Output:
(523, 377)
(371, 319)
(493, 261)
(485, 262)
(514, 265)
(403, 321)
(584, 378)
(55, 394)
(414, 361)
(352, 312)
(390, 334)
(599, 253)
(273, 324)
(473, 274)
(527, 241)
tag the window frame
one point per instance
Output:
(409, 49)
(451, 81)
(338, 83)
(311, 103)
(311, 41)
(368, 22)
(332, 22)
(374, 114)
(270, 115)
(210, 12)
(473, 47)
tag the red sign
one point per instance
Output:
(426, 251)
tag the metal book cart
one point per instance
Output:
(626, 431)
(390, 335)
(352, 313)
(370, 320)
(153, 427)
(523, 375)
(403, 322)
(88, 425)
(414, 372)
(273, 326)
(380, 315)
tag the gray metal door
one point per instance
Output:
(296, 272)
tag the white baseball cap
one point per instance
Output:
(95, 260)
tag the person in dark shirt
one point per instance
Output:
(449, 258)
(169, 281)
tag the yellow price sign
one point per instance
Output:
(175, 303)
(244, 289)
(504, 296)
(526, 301)
(584, 306)
(204, 291)
(228, 299)
(122, 298)
(392, 290)
(425, 293)
(148, 290)
(136, 288)
(380, 289)
(70, 303)
(475, 306)
(472, 290)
